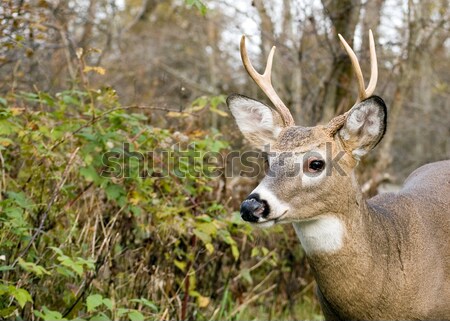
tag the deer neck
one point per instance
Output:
(338, 250)
(335, 233)
(340, 225)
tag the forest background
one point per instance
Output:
(83, 78)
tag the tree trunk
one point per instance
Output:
(337, 97)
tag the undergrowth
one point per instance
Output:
(141, 233)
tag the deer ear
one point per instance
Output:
(257, 122)
(364, 126)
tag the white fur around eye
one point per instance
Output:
(311, 180)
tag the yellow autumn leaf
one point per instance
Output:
(180, 264)
(16, 110)
(175, 114)
(219, 112)
(135, 198)
(210, 248)
(202, 301)
(98, 70)
(5, 142)
(197, 133)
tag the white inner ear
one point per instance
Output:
(362, 128)
(366, 116)
(253, 117)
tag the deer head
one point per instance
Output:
(307, 164)
(371, 258)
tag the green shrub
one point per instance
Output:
(93, 230)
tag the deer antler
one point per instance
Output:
(265, 83)
(363, 92)
(336, 123)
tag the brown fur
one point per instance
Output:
(395, 263)
(394, 258)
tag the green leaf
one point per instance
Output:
(150, 304)
(32, 267)
(6, 268)
(201, 7)
(46, 99)
(7, 127)
(204, 218)
(65, 271)
(135, 315)
(90, 174)
(217, 100)
(77, 268)
(122, 311)
(3, 289)
(57, 250)
(6, 312)
(74, 266)
(180, 264)
(245, 273)
(21, 295)
(210, 248)
(3, 101)
(147, 303)
(93, 301)
(70, 100)
(202, 236)
(198, 4)
(108, 303)
(225, 235)
(235, 252)
(32, 97)
(207, 227)
(20, 199)
(255, 252)
(100, 317)
(89, 263)
(114, 192)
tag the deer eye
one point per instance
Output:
(315, 165)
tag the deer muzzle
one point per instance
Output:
(253, 208)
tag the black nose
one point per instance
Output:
(253, 208)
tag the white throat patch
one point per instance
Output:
(324, 234)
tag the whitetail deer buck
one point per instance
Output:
(387, 257)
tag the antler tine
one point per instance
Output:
(363, 92)
(373, 67)
(264, 81)
(356, 68)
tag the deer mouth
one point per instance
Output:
(269, 222)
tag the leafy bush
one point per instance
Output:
(105, 216)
